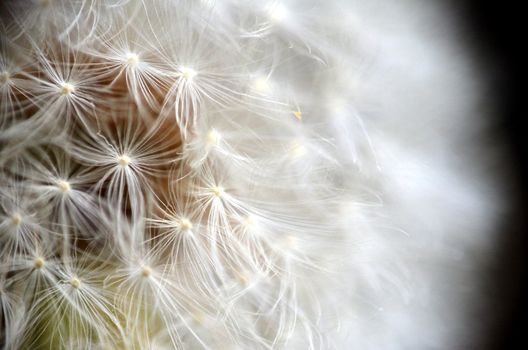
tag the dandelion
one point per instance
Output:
(232, 175)
(13, 61)
(21, 226)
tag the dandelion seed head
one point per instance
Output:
(146, 271)
(16, 219)
(188, 73)
(159, 107)
(124, 160)
(63, 186)
(39, 263)
(75, 282)
(67, 89)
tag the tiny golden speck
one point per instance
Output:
(75, 283)
(39, 263)
(298, 115)
(16, 219)
(67, 89)
(146, 272)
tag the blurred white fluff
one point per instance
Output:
(237, 175)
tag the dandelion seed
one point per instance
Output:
(67, 89)
(250, 221)
(64, 186)
(124, 160)
(185, 225)
(261, 85)
(16, 219)
(39, 263)
(243, 279)
(19, 224)
(146, 271)
(187, 73)
(131, 59)
(213, 138)
(218, 191)
(75, 282)
(297, 148)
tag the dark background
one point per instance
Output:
(495, 33)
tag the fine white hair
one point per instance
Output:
(240, 175)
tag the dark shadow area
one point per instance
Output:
(494, 33)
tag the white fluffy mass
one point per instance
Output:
(230, 174)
